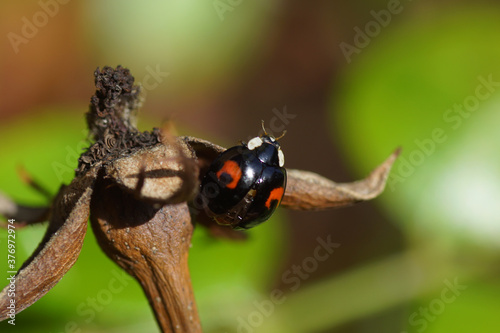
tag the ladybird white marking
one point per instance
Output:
(254, 143)
(281, 157)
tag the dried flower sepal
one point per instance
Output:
(309, 191)
(58, 250)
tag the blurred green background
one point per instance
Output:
(356, 79)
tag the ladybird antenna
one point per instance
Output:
(263, 127)
(282, 135)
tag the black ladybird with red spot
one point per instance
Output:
(245, 183)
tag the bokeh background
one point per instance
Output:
(356, 79)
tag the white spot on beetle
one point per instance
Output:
(281, 157)
(254, 143)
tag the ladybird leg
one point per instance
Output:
(219, 231)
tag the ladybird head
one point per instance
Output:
(267, 148)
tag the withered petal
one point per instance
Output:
(159, 174)
(205, 151)
(59, 248)
(309, 191)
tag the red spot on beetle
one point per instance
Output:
(276, 194)
(232, 169)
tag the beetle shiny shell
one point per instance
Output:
(245, 183)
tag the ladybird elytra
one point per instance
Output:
(246, 183)
(232, 170)
(276, 194)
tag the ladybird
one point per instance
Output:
(245, 183)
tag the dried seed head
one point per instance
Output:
(111, 119)
(114, 104)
